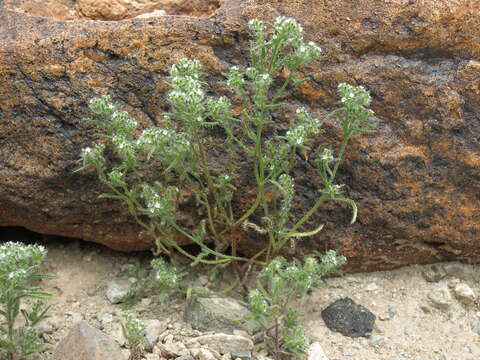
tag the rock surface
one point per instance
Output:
(221, 314)
(440, 297)
(349, 318)
(86, 343)
(237, 346)
(464, 293)
(315, 352)
(416, 181)
(110, 9)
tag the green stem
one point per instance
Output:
(226, 258)
(340, 156)
(245, 216)
(310, 212)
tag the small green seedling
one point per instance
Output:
(162, 280)
(134, 333)
(271, 303)
(19, 266)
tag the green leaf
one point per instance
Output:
(305, 233)
(352, 204)
(113, 196)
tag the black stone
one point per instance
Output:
(349, 318)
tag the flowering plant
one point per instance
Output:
(278, 285)
(179, 150)
(19, 265)
(134, 333)
(162, 279)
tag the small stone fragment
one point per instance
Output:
(153, 329)
(377, 340)
(476, 329)
(459, 270)
(388, 315)
(116, 332)
(86, 343)
(440, 297)
(371, 287)
(237, 346)
(48, 325)
(173, 349)
(464, 293)
(348, 318)
(218, 314)
(315, 352)
(204, 354)
(105, 318)
(434, 273)
(152, 14)
(117, 289)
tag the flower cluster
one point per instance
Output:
(258, 305)
(224, 183)
(165, 277)
(304, 130)
(168, 145)
(122, 124)
(260, 82)
(133, 331)
(220, 110)
(160, 202)
(125, 148)
(102, 106)
(288, 30)
(17, 264)
(187, 96)
(330, 261)
(256, 25)
(353, 95)
(117, 178)
(325, 155)
(235, 79)
(93, 156)
(286, 183)
(353, 114)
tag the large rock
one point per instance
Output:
(110, 9)
(416, 181)
(86, 343)
(220, 314)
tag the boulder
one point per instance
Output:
(415, 181)
(86, 343)
(110, 10)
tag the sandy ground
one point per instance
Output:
(408, 325)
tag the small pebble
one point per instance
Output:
(464, 293)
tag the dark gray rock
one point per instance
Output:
(348, 318)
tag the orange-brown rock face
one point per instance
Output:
(416, 181)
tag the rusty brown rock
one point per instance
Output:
(416, 181)
(110, 10)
